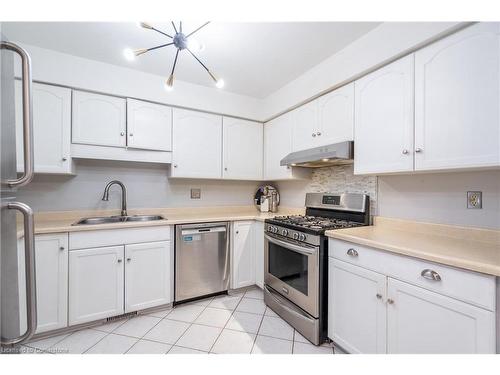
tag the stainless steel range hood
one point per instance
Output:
(323, 156)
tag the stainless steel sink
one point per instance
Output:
(117, 219)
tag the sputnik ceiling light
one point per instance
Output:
(180, 41)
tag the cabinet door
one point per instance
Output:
(95, 283)
(356, 308)
(51, 259)
(197, 144)
(149, 126)
(259, 253)
(336, 116)
(383, 120)
(457, 100)
(421, 321)
(243, 149)
(147, 275)
(277, 145)
(98, 119)
(243, 256)
(51, 128)
(305, 126)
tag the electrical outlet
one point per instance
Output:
(195, 193)
(474, 199)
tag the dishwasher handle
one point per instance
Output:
(203, 230)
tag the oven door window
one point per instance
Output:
(289, 266)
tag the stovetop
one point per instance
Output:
(312, 224)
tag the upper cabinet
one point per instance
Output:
(383, 135)
(51, 128)
(99, 119)
(149, 126)
(196, 144)
(242, 149)
(326, 120)
(277, 145)
(457, 100)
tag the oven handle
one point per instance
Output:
(291, 246)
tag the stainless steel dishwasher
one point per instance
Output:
(201, 260)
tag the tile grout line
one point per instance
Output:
(232, 313)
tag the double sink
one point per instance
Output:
(117, 219)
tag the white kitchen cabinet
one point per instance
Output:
(457, 98)
(243, 149)
(277, 145)
(96, 281)
(335, 116)
(305, 126)
(149, 125)
(98, 119)
(421, 321)
(259, 253)
(243, 254)
(383, 120)
(51, 129)
(196, 145)
(147, 275)
(356, 308)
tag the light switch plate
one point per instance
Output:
(196, 193)
(474, 199)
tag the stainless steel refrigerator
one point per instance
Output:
(17, 280)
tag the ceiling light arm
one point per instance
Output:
(197, 59)
(175, 62)
(160, 46)
(175, 28)
(180, 26)
(199, 28)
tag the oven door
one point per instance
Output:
(292, 269)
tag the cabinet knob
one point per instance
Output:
(352, 253)
(237, 231)
(120, 260)
(122, 134)
(418, 150)
(131, 135)
(430, 275)
(314, 134)
(318, 134)
(61, 248)
(225, 169)
(129, 259)
(379, 296)
(64, 158)
(175, 165)
(405, 152)
(390, 301)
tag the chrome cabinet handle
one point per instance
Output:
(225, 169)
(120, 260)
(131, 134)
(64, 159)
(314, 134)
(122, 133)
(390, 301)
(352, 253)
(430, 275)
(27, 115)
(175, 165)
(129, 259)
(379, 296)
(318, 134)
(61, 248)
(29, 261)
(405, 152)
(418, 150)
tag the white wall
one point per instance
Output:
(147, 187)
(382, 44)
(441, 198)
(55, 67)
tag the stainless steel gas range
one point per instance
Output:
(296, 259)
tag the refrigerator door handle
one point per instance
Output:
(27, 115)
(29, 259)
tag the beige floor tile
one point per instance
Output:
(199, 337)
(233, 342)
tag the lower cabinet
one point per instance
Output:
(243, 254)
(370, 312)
(421, 321)
(96, 280)
(147, 275)
(108, 281)
(356, 308)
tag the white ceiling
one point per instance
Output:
(254, 59)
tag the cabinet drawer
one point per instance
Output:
(468, 286)
(111, 237)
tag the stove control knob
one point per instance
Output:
(302, 237)
(275, 230)
(284, 232)
(295, 236)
